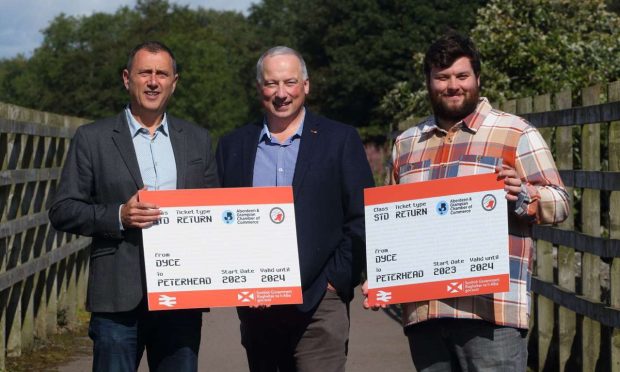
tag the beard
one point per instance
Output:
(445, 112)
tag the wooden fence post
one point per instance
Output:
(72, 293)
(591, 223)
(544, 271)
(567, 320)
(614, 217)
(510, 106)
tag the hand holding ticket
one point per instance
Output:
(215, 247)
(436, 239)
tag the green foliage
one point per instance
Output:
(530, 47)
(77, 70)
(356, 50)
(533, 47)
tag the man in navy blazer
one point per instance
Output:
(326, 164)
(108, 162)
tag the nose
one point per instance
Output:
(452, 83)
(152, 82)
(281, 92)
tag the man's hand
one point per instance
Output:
(365, 304)
(512, 182)
(137, 215)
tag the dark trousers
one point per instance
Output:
(445, 345)
(171, 339)
(282, 338)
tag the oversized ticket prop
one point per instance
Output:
(437, 239)
(222, 247)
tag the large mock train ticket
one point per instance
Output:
(436, 239)
(222, 247)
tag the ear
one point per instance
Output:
(126, 78)
(307, 86)
(174, 83)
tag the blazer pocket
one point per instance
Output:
(198, 161)
(102, 251)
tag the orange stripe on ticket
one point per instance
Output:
(224, 298)
(439, 289)
(228, 196)
(429, 189)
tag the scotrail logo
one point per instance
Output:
(245, 296)
(167, 301)
(455, 287)
(384, 296)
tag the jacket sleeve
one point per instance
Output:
(73, 209)
(351, 252)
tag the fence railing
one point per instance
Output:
(42, 272)
(576, 323)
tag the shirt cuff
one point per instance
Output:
(120, 221)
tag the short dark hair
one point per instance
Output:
(447, 49)
(153, 47)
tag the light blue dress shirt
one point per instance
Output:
(275, 162)
(155, 155)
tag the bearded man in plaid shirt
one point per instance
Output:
(466, 136)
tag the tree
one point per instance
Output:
(77, 69)
(357, 50)
(531, 47)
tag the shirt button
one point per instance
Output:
(280, 170)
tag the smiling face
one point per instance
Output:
(150, 84)
(283, 89)
(454, 92)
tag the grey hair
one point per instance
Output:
(278, 51)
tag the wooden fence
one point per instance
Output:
(42, 272)
(576, 323)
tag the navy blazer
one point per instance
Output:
(100, 173)
(328, 188)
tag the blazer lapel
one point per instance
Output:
(177, 139)
(122, 139)
(250, 145)
(307, 148)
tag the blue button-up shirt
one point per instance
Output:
(155, 156)
(275, 162)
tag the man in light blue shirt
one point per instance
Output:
(108, 162)
(325, 163)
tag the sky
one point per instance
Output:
(21, 21)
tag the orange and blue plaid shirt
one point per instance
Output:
(484, 140)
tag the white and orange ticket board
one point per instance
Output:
(437, 239)
(222, 247)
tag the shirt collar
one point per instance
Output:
(135, 127)
(472, 121)
(266, 134)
